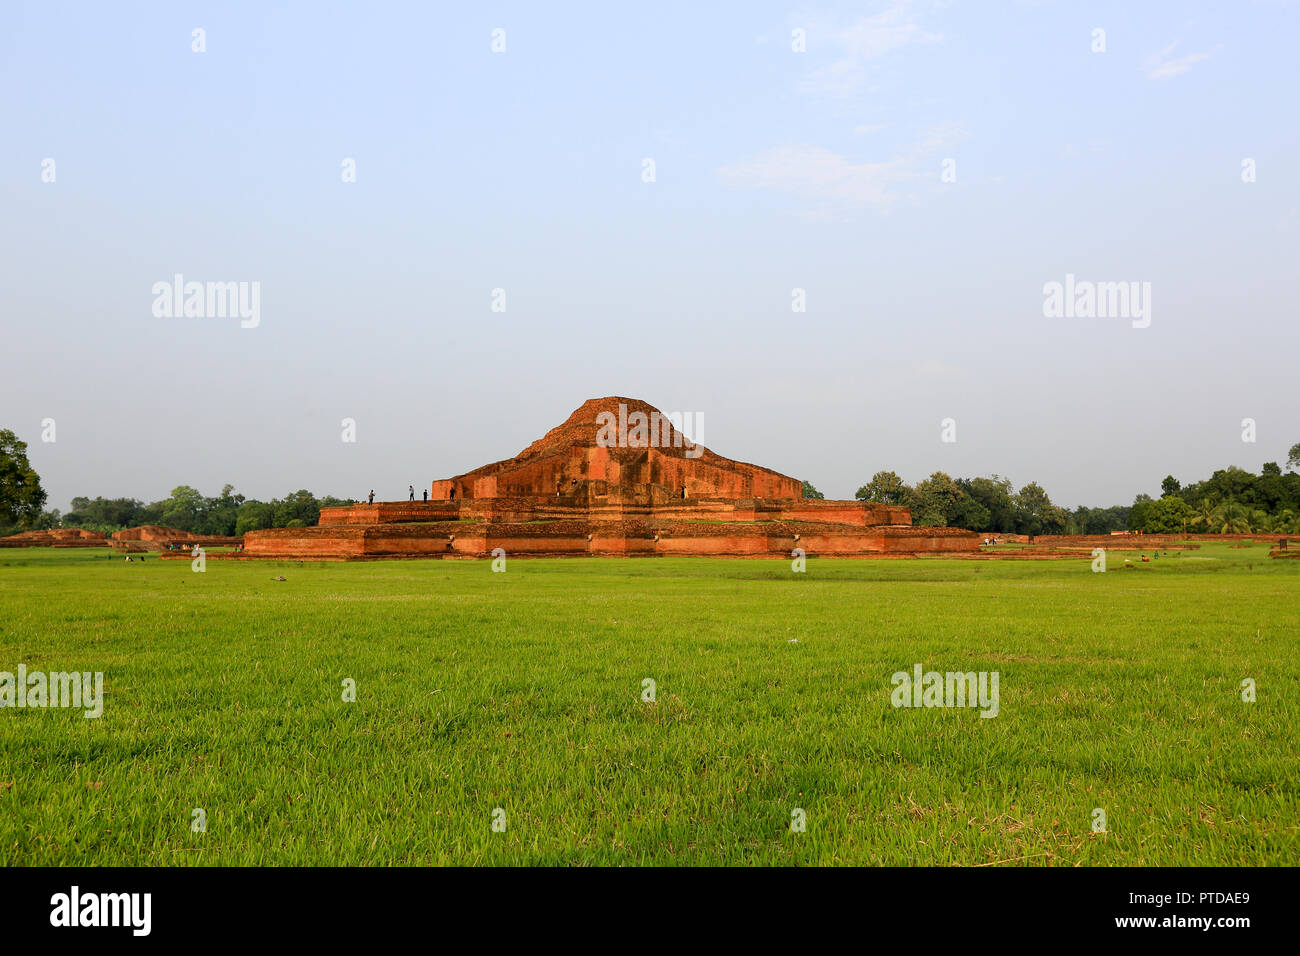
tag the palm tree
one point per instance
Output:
(1205, 513)
(1232, 518)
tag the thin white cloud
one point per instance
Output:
(813, 172)
(896, 27)
(1162, 65)
(859, 43)
(938, 137)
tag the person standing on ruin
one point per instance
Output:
(411, 489)
(426, 495)
(372, 497)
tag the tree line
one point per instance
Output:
(22, 505)
(1232, 500)
(189, 510)
(989, 504)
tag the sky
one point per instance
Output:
(555, 202)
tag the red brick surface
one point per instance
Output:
(153, 537)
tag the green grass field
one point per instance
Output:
(522, 691)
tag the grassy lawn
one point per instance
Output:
(522, 690)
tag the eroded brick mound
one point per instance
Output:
(149, 532)
(56, 538)
(1077, 545)
(576, 453)
(1138, 542)
(154, 537)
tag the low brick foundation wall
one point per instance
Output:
(572, 537)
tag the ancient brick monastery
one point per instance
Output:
(589, 487)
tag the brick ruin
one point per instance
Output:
(153, 537)
(616, 478)
(56, 538)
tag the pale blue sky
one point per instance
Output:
(523, 170)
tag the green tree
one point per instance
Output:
(1169, 515)
(184, 509)
(1293, 457)
(21, 495)
(1170, 486)
(1035, 513)
(810, 492)
(1232, 484)
(885, 488)
(996, 496)
(1230, 518)
(254, 516)
(46, 520)
(221, 514)
(970, 514)
(1236, 518)
(103, 514)
(1271, 491)
(1204, 514)
(944, 502)
(1100, 520)
(935, 500)
(300, 506)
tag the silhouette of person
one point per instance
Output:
(372, 497)
(411, 489)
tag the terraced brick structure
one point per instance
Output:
(618, 477)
